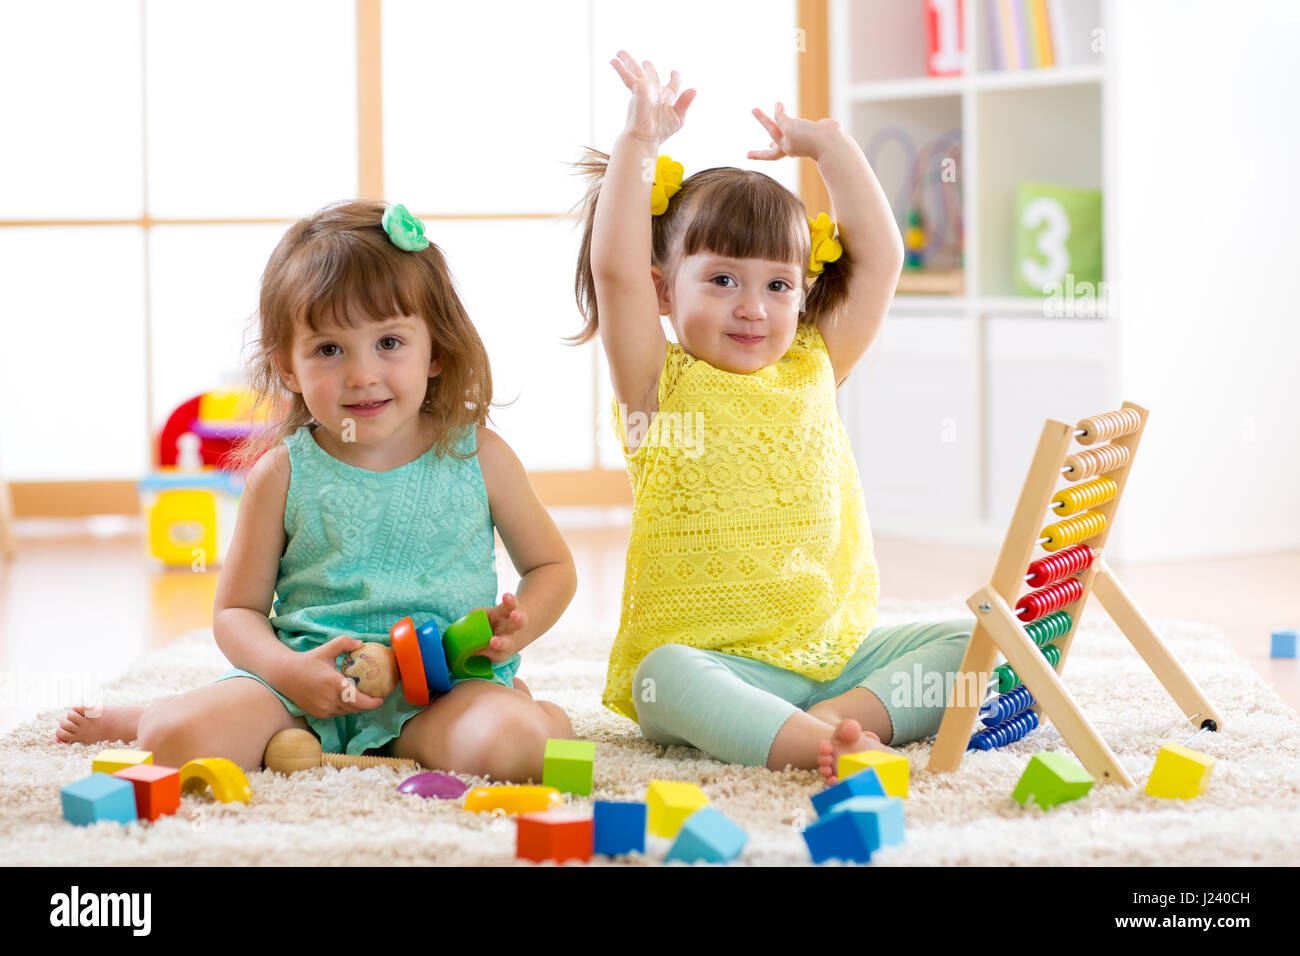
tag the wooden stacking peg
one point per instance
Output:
(292, 750)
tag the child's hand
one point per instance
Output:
(656, 112)
(319, 688)
(792, 136)
(506, 619)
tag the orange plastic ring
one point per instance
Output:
(410, 663)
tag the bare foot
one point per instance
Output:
(116, 723)
(848, 738)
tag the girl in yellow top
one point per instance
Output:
(749, 602)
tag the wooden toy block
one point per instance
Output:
(620, 827)
(855, 829)
(1283, 644)
(553, 835)
(512, 800)
(708, 836)
(111, 761)
(1179, 772)
(864, 783)
(227, 781)
(669, 803)
(463, 640)
(568, 765)
(100, 796)
(157, 789)
(1050, 779)
(894, 769)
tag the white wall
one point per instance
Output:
(1206, 263)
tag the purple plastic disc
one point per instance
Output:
(433, 785)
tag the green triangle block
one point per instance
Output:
(1052, 778)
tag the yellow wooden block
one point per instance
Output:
(893, 769)
(513, 800)
(225, 777)
(1179, 773)
(669, 803)
(111, 761)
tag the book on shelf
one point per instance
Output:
(1025, 34)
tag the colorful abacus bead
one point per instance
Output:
(1070, 501)
(992, 737)
(1002, 708)
(1095, 461)
(1044, 631)
(1073, 530)
(1040, 603)
(1007, 677)
(1059, 566)
(1108, 426)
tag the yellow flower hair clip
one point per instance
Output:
(668, 180)
(825, 247)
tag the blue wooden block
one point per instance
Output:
(100, 796)
(864, 783)
(856, 828)
(837, 837)
(709, 836)
(1283, 644)
(620, 827)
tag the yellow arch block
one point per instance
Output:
(227, 781)
(513, 799)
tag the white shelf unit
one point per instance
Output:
(967, 380)
(1180, 111)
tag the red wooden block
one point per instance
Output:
(554, 835)
(157, 789)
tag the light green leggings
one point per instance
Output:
(732, 708)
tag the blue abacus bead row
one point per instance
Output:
(1003, 708)
(1003, 734)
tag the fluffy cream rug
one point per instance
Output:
(326, 817)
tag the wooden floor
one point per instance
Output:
(80, 600)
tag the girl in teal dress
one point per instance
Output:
(374, 498)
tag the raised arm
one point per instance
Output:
(626, 298)
(867, 229)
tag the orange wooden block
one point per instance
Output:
(157, 789)
(554, 835)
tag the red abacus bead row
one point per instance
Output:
(1036, 604)
(1058, 566)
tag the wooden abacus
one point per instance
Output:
(1028, 634)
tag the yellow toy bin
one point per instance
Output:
(190, 515)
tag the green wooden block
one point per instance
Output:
(1058, 241)
(568, 764)
(463, 640)
(1052, 778)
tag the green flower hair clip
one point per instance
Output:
(406, 231)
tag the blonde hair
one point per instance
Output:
(339, 266)
(738, 213)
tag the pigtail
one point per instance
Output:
(592, 165)
(829, 293)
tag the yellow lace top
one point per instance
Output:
(749, 531)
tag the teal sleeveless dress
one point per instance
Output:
(365, 549)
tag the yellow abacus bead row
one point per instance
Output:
(1108, 426)
(1087, 495)
(1095, 461)
(1065, 533)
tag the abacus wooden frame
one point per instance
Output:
(997, 627)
